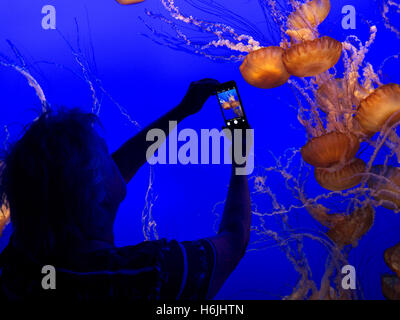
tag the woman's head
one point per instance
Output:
(60, 183)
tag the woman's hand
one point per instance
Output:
(197, 95)
(133, 153)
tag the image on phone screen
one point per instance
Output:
(230, 104)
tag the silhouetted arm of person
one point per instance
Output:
(132, 154)
(234, 230)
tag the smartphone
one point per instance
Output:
(231, 104)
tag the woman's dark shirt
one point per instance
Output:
(151, 270)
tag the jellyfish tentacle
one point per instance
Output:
(22, 69)
(387, 5)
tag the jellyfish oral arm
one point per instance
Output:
(353, 63)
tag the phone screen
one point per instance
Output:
(231, 105)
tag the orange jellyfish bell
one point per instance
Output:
(386, 186)
(129, 1)
(310, 14)
(235, 104)
(312, 57)
(330, 149)
(376, 109)
(353, 227)
(263, 68)
(392, 258)
(226, 105)
(4, 217)
(345, 178)
(391, 283)
(390, 287)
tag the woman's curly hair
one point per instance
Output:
(51, 180)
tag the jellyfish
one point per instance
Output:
(309, 55)
(226, 105)
(4, 217)
(264, 68)
(4, 209)
(379, 107)
(215, 40)
(129, 1)
(392, 258)
(391, 283)
(312, 57)
(390, 287)
(385, 184)
(330, 149)
(232, 104)
(303, 22)
(235, 104)
(341, 179)
(353, 227)
(345, 229)
(310, 14)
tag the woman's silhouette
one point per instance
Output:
(63, 189)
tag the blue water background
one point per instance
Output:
(148, 80)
